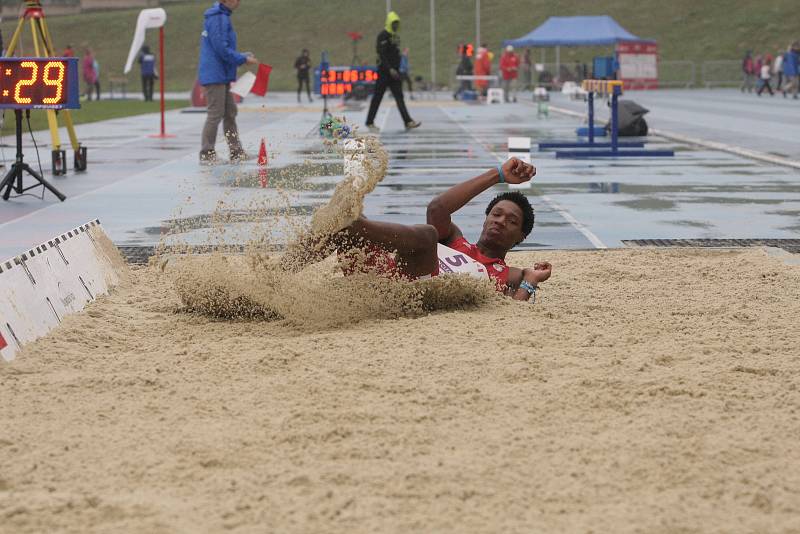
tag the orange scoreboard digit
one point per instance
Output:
(338, 81)
(39, 83)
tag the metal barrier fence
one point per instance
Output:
(671, 74)
(727, 73)
(677, 74)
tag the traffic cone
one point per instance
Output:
(262, 163)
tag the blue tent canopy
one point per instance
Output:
(575, 31)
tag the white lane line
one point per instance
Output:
(580, 227)
(385, 118)
(705, 143)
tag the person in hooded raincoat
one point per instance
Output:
(388, 48)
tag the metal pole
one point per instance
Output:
(388, 6)
(433, 45)
(477, 23)
(558, 64)
(614, 119)
(161, 75)
(591, 116)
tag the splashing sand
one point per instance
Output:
(295, 287)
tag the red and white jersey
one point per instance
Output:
(461, 256)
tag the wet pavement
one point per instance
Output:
(140, 187)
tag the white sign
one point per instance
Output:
(638, 66)
(244, 84)
(520, 148)
(148, 18)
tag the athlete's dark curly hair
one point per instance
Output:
(520, 200)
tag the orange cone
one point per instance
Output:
(262, 163)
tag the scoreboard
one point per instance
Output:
(39, 83)
(338, 81)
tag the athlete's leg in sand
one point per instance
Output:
(416, 245)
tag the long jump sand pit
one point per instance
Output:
(646, 391)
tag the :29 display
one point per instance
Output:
(33, 83)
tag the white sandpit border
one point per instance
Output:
(40, 287)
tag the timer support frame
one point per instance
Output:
(13, 179)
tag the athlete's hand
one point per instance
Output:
(541, 271)
(394, 74)
(517, 171)
(251, 60)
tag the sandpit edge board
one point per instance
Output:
(41, 286)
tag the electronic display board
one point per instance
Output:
(338, 81)
(39, 83)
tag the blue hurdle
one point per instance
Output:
(593, 149)
(597, 131)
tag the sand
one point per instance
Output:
(646, 391)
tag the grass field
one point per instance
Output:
(92, 112)
(276, 30)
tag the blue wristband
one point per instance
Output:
(530, 288)
(502, 176)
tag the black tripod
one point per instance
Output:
(19, 166)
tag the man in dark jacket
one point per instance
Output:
(303, 67)
(218, 63)
(389, 74)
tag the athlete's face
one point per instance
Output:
(503, 226)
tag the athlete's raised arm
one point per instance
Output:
(440, 209)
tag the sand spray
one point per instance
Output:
(302, 283)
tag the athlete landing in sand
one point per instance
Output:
(509, 220)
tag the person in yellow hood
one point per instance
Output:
(388, 49)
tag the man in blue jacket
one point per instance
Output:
(147, 62)
(218, 63)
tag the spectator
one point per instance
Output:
(765, 77)
(464, 69)
(89, 74)
(509, 70)
(483, 67)
(388, 48)
(219, 60)
(404, 69)
(147, 64)
(303, 67)
(791, 69)
(777, 69)
(96, 65)
(527, 70)
(68, 51)
(748, 72)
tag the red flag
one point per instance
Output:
(262, 80)
(3, 343)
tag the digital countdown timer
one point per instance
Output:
(337, 81)
(39, 83)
